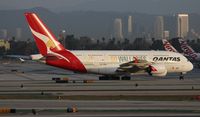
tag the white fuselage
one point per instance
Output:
(106, 62)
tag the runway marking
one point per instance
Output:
(24, 76)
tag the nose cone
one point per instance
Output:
(189, 66)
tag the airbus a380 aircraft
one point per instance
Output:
(107, 63)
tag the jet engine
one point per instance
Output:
(157, 70)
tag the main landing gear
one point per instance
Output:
(107, 77)
(181, 77)
(110, 77)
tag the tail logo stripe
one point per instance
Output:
(48, 34)
(48, 42)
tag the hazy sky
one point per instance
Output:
(145, 6)
(51, 4)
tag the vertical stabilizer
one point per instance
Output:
(168, 46)
(50, 47)
(187, 50)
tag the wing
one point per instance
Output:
(135, 67)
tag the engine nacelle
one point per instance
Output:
(157, 70)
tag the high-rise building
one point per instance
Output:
(183, 25)
(166, 34)
(118, 29)
(130, 25)
(4, 34)
(159, 27)
(18, 33)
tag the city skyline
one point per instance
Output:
(95, 24)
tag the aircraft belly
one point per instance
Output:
(102, 68)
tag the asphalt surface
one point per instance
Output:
(21, 86)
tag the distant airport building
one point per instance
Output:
(166, 34)
(183, 25)
(18, 33)
(118, 29)
(159, 27)
(4, 34)
(5, 44)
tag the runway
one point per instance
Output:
(29, 86)
(103, 106)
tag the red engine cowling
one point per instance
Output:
(157, 70)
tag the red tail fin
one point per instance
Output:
(48, 45)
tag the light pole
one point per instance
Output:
(63, 35)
